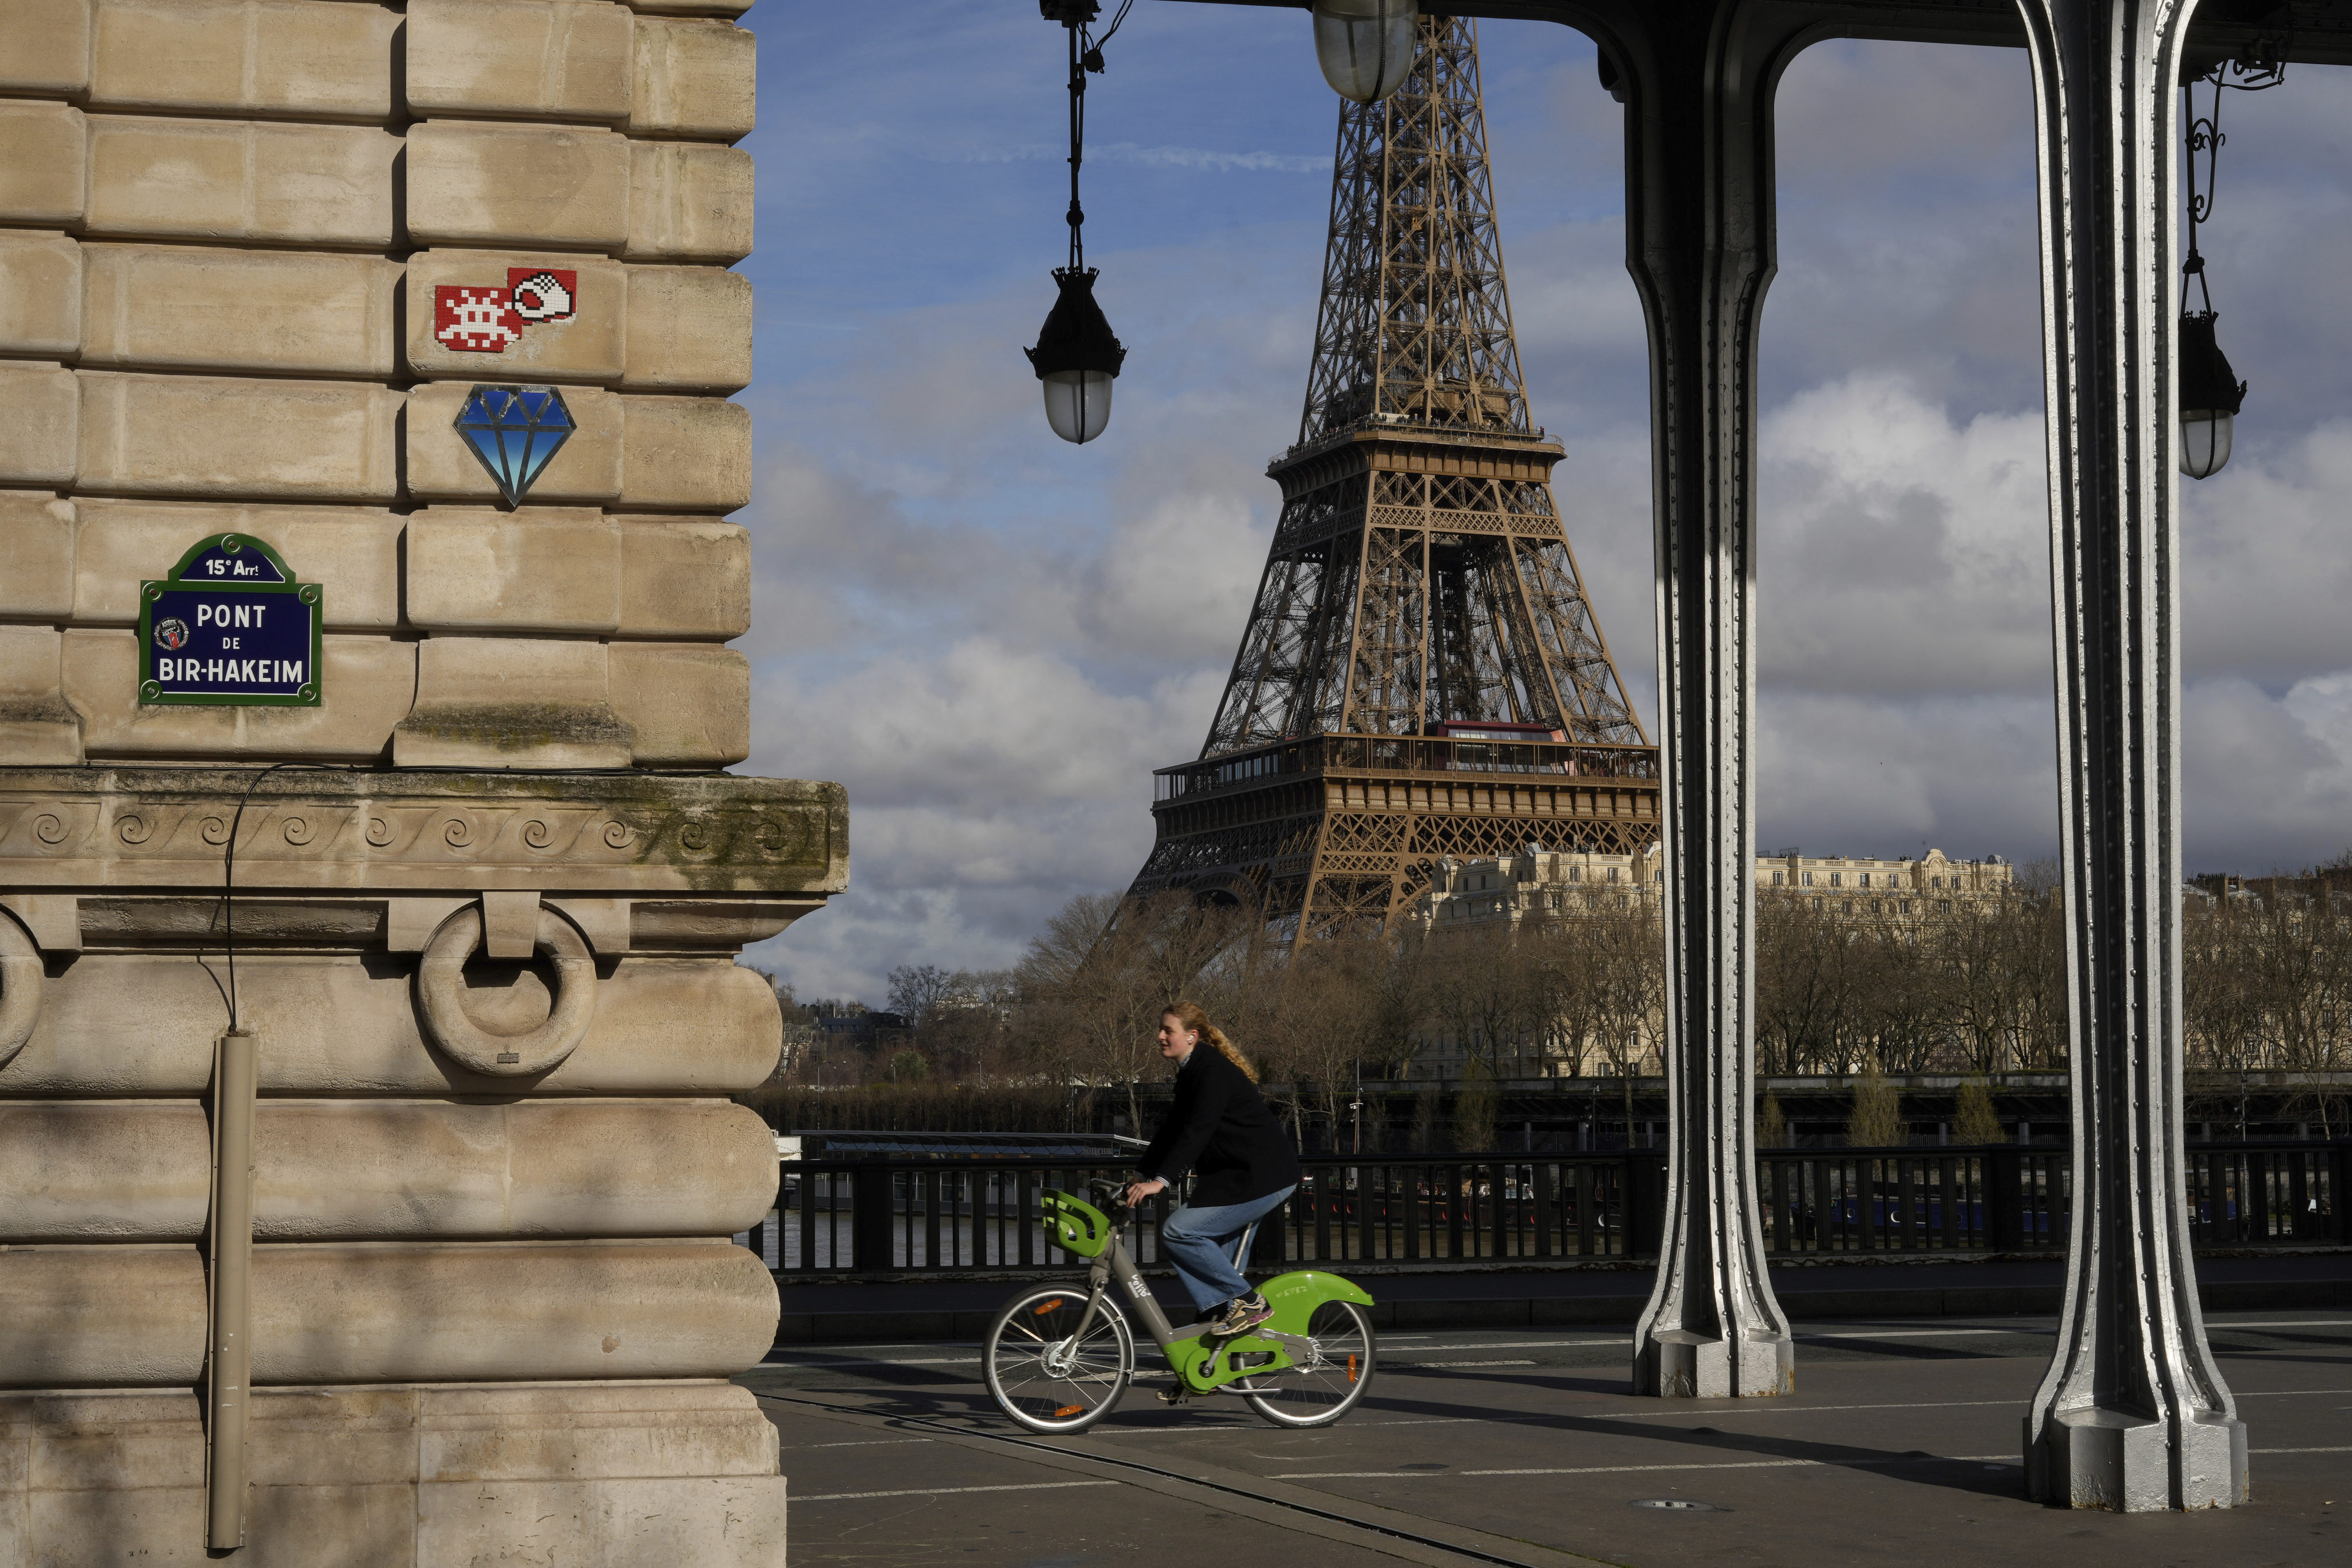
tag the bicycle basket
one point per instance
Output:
(1075, 1224)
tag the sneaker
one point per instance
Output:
(1244, 1313)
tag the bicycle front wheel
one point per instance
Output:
(1328, 1387)
(1046, 1375)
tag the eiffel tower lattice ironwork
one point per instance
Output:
(1421, 675)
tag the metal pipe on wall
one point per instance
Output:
(229, 1344)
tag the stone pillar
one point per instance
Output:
(484, 926)
(1698, 83)
(2133, 1413)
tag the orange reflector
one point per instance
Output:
(1046, 1308)
(1068, 1410)
(1352, 1369)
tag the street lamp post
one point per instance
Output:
(1078, 357)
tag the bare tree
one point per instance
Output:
(1103, 968)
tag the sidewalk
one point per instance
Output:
(917, 1309)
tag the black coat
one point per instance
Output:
(1219, 1130)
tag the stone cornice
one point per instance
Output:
(390, 829)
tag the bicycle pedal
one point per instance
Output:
(1174, 1395)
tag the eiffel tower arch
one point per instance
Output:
(1421, 675)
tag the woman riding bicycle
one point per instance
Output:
(1243, 1162)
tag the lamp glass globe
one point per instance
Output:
(2204, 441)
(1077, 403)
(1365, 46)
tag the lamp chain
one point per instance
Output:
(1086, 55)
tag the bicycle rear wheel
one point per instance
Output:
(1043, 1374)
(1328, 1387)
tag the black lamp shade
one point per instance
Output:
(1077, 358)
(1077, 335)
(2210, 397)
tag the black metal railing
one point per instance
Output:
(838, 1217)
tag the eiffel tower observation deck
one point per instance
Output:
(1422, 674)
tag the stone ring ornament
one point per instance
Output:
(22, 976)
(440, 991)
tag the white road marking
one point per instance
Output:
(831, 1362)
(1634, 1469)
(1921, 1333)
(2344, 1450)
(951, 1491)
(866, 1443)
(1625, 1339)
(1427, 1363)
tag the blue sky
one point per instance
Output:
(992, 636)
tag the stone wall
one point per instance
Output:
(485, 925)
(224, 224)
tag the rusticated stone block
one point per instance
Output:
(40, 421)
(302, 313)
(143, 1026)
(589, 347)
(538, 570)
(688, 202)
(550, 59)
(327, 1313)
(481, 1312)
(511, 703)
(441, 465)
(694, 79)
(685, 578)
(42, 155)
(612, 1474)
(714, 1522)
(131, 1317)
(689, 329)
(45, 47)
(36, 556)
(365, 689)
(37, 725)
(328, 185)
(40, 295)
(540, 185)
(691, 703)
(690, 7)
(351, 552)
(320, 59)
(212, 435)
(328, 1170)
(686, 454)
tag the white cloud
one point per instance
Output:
(1901, 550)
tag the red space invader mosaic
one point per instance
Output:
(484, 319)
(474, 320)
(544, 294)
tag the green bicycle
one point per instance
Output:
(1058, 1359)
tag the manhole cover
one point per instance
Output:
(1679, 1504)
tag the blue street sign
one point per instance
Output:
(230, 627)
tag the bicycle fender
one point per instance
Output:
(1294, 1297)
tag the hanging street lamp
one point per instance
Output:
(2211, 392)
(1365, 46)
(1077, 356)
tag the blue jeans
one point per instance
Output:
(1200, 1243)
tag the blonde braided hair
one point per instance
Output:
(1195, 1019)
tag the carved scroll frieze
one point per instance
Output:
(125, 826)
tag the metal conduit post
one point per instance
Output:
(228, 1361)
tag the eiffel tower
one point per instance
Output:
(1421, 675)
